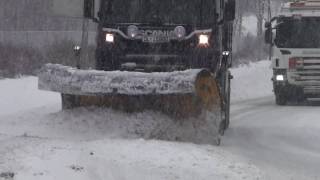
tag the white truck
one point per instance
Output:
(294, 37)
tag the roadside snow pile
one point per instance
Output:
(251, 81)
(87, 144)
(116, 159)
(38, 141)
(22, 94)
(147, 125)
(100, 123)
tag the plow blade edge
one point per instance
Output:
(179, 93)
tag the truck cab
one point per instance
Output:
(295, 51)
(162, 36)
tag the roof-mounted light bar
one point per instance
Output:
(297, 4)
(306, 4)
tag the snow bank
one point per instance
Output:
(22, 94)
(100, 123)
(38, 141)
(123, 160)
(251, 81)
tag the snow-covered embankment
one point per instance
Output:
(251, 81)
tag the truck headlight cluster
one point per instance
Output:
(110, 38)
(76, 48)
(280, 77)
(180, 32)
(132, 31)
(203, 40)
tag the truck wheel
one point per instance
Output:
(68, 101)
(281, 99)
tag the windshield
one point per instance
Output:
(200, 12)
(298, 33)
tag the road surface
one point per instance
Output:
(281, 140)
(265, 141)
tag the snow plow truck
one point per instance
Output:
(294, 39)
(171, 56)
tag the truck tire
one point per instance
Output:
(68, 101)
(288, 94)
(281, 99)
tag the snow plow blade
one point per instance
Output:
(180, 93)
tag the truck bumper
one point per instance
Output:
(292, 87)
(293, 83)
(310, 84)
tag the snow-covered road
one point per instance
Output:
(39, 141)
(283, 141)
(265, 141)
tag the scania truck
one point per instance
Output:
(171, 56)
(294, 37)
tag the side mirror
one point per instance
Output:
(230, 13)
(268, 37)
(268, 25)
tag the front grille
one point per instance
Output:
(311, 63)
(139, 47)
(310, 71)
(308, 75)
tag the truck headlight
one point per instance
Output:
(180, 32)
(109, 38)
(280, 77)
(203, 39)
(132, 31)
(76, 48)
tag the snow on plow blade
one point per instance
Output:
(179, 93)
